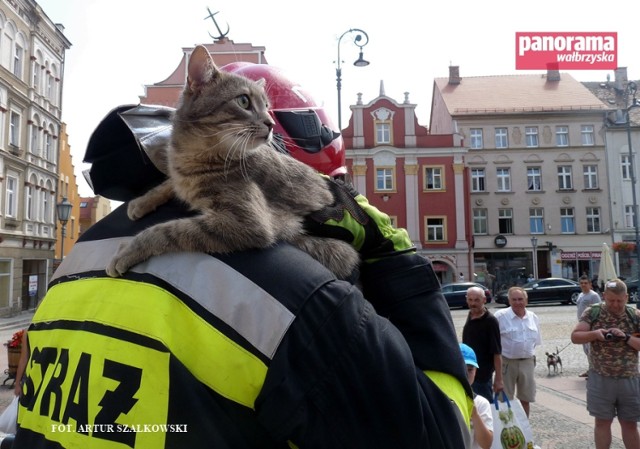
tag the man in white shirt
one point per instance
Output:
(481, 416)
(519, 335)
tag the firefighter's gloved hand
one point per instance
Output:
(351, 218)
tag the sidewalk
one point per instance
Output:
(560, 412)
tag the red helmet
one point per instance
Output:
(302, 128)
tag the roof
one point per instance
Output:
(516, 94)
(606, 93)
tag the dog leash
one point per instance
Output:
(565, 347)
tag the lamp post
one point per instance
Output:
(632, 88)
(534, 243)
(360, 62)
(63, 210)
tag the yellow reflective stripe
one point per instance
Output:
(454, 390)
(151, 311)
(248, 309)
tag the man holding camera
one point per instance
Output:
(613, 386)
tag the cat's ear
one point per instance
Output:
(201, 69)
(261, 82)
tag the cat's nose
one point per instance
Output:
(269, 123)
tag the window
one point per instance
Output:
(590, 177)
(531, 136)
(383, 133)
(629, 222)
(480, 221)
(47, 147)
(593, 220)
(433, 178)
(36, 76)
(625, 166)
(384, 178)
(504, 180)
(435, 229)
(562, 136)
(34, 139)
(29, 202)
(564, 178)
(505, 221)
(536, 220)
(501, 138)
(587, 135)
(11, 200)
(14, 129)
(567, 221)
(476, 139)
(18, 55)
(477, 180)
(5, 280)
(534, 179)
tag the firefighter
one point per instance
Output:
(254, 349)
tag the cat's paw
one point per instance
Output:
(124, 259)
(137, 208)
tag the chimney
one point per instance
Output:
(553, 72)
(454, 74)
(620, 81)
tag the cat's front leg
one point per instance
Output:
(150, 201)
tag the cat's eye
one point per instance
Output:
(243, 101)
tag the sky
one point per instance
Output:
(119, 46)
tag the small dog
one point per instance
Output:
(553, 360)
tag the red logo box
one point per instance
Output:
(566, 51)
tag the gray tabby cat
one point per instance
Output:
(248, 195)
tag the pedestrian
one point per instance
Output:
(461, 277)
(586, 298)
(613, 387)
(262, 348)
(481, 332)
(519, 336)
(481, 416)
(531, 278)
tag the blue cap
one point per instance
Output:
(469, 355)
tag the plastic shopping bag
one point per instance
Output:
(9, 418)
(511, 428)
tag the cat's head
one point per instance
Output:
(220, 108)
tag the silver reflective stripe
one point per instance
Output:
(224, 292)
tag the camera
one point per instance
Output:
(609, 336)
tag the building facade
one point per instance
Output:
(92, 209)
(224, 51)
(538, 180)
(67, 189)
(32, 54)
(416, 177)
(617, 96)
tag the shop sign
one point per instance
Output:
(580, 255)
(500, 241)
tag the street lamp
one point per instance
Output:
(63, 210)
(632, 88)
(360, 62)
(534, 243)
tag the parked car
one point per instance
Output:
(547, 290)
(456, 293)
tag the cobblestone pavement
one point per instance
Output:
(559, 419)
